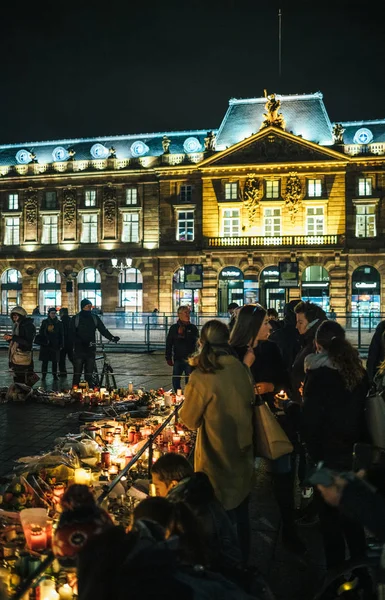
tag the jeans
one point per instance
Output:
(239, 516)
(86, 362)
(44, 367)
(180, 367)
(62, 361)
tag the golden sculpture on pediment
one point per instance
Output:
(293, 195)
(338, 133)
(272, 116)
(251, 197)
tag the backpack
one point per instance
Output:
(77, 319)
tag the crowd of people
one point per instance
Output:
(195, 534)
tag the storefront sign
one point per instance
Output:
(362, 284)
(288, 274)
(231, 273)
(269, 273)
(193, 277)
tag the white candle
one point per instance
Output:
(83, 476)
(65, 592)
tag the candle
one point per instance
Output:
(176, 440)
(152, 489)
(38, 539)
(65, 592)
(130, 387)
(83, 476)
(58, 491)
(113, 470)
(179, 392)
(46, 588)
(105, 459)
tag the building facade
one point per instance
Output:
(278, 203)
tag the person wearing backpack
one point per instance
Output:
(83, 331)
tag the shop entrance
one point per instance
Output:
(315, 284)
(182, 296)
(366, 296)
(230, 288)
(271, 295)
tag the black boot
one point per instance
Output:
(284, 494)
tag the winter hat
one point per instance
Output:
(19, 310)
(85, 302)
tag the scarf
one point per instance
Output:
(182, 328)
(315, 361)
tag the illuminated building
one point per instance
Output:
(277, 182)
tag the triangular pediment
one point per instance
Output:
(272, 145)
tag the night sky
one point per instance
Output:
(80, 70)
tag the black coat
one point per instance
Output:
(66, 322)
(297, 373)
(83, 329)
(51, 330)
(27, 332)
(376, 353)
(179, 347)
(332, 416)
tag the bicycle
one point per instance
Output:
(107, 377)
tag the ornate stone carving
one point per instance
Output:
(293, 195)
(69, 206)
(338, 133)
(166, 143)
(30, 206)
(210, 141)
(109, 204)
(272, 117)
(251, 197)
(112, 152)
(71, 154)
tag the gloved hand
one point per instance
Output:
(170, 363)
(115, 339)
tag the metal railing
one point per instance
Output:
(277, 240)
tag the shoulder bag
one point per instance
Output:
(270, 440)
(22, 357)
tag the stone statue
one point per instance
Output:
(210, 141)
(112, 152)
(251, 197)
(166, 143)
(272, 118)
(71, 153)
(338, 133)
(293, 195)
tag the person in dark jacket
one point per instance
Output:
(174, 478)
(309, 317)
(333, 420)
(67, 349)
(287, 337)
(181, 341)
(20, 346)
(232, 310)
(83, 329)
(249, 341)
(51, 332)
(376, 353)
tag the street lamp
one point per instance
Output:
(116, 264)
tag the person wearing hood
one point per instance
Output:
(333, 420)
(309, 317)
(51, 332)
(20, 345)
(287, 336)
(83, 329)
(181, 342)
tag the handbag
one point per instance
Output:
(40, 340)
(22, 357)
(375, 418)
(269, 439)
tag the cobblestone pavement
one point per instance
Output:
(30, 428)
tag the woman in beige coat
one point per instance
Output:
(218, 403)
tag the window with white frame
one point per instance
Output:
(231, 190)
(272, 221)
(314, 188)
(365, 186)
(12, 231)
(50, 200)
(231, 222)
(272, 188)
(49, 230)
(90, 198)
(89, 233)
(185, 193)
(13, 201)
(366, 220)
(315, 220)
(185, 226)
(130, 229)
(131, 195)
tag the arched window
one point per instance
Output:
(315, 286)
(49, 290)
(366, 298)
(89, 286)
(131, 290)
(271, 295)
(230, 288)
(11, 290)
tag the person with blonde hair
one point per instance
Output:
(218, 403)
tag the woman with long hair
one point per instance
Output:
(249, 340)
(218, 403)
(335, 389)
